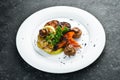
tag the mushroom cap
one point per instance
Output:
(65, 24)
(53, 23)
(43, 32)
(69, 50)
(77, 31)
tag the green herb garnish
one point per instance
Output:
(65, 30)
(55, 38)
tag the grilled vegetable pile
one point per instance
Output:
(56, 37)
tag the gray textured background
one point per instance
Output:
(14, 12)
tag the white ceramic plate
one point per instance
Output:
(92, 40)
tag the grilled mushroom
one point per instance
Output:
(43, 32)
(77, 31)
(53, 23)
(65, 24)
(69, 50)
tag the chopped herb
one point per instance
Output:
(65, 30)
(55, 38)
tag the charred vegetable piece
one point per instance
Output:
(69, 50)
(74, 43)
(69, 34)
(69, 37)
(77, 31)
(61, 44)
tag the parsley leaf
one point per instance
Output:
(55, 38)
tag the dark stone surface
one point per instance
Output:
(14, 12)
